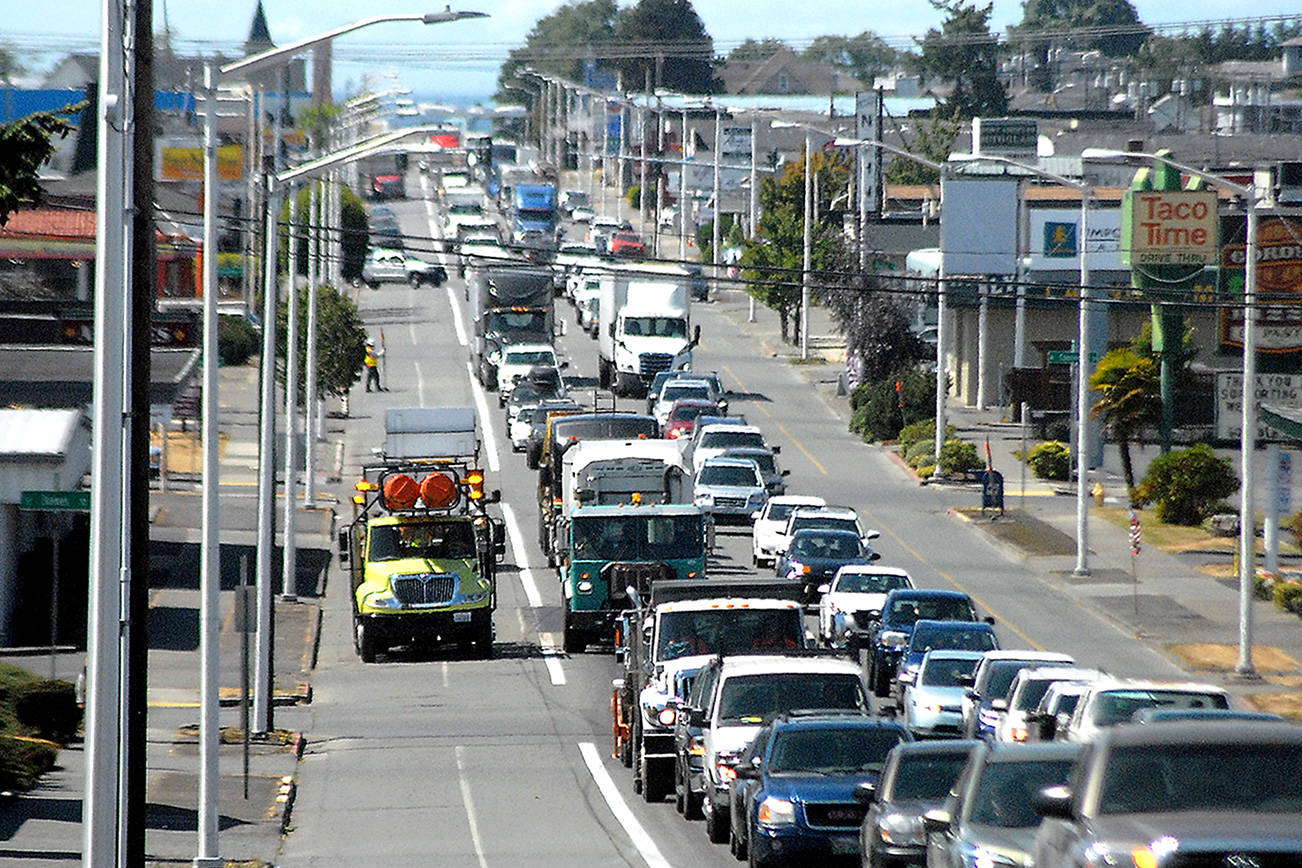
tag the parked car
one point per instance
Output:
(394, 266)
(772, 520)
(746, 691)
(1024, 695)
(990, 683)
(988, 818)
(815, 554)
(729, 488)
(932, 696)
(930, 635)
(917, 778)
(794, 797)
(852, 601)
(901, 609)
(775, 478)
(1192, 793)
(1107, 702)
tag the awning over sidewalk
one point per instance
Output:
(1285, 420)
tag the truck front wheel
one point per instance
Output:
(572, 639)
(366, 641)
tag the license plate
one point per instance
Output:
(461, 617)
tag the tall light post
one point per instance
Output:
(209, 554)
(1083, 366)
(1248, 429)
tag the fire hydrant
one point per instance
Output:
(1097, 491)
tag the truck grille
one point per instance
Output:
(730, 502)
(834, 815)
(620, 576)
(425, 588)
(653, 363)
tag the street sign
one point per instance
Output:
(1063, 357)
(55, 501)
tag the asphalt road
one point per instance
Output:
(454, 762)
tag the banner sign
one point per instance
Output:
(186, 164)
(1280, 390)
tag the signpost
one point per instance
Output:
(55, 501)
(1136, 537)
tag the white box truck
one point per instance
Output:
(644, 327)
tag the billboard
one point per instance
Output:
(978, 232)
(1280, 390)
(186, 164)
(1005, 137)
(1055, 239)
(1279, 280)
(1170, 227)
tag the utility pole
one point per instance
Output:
(716, 233)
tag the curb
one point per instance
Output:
(288, 792)
(1010, 551)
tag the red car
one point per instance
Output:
(682, 416)
(627, 244)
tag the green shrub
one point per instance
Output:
(1050, 460)
(237, 340)
(1186, 485)
(925, 469)
(958, 456)
(923, 431)
(877, 414)
(1263, 587)
(49, 709)
(918, 451)
(23, 762)
(1288, 596)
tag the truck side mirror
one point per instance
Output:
(499, 534)
(696, 335)
(494, 496)
(343, 547)
(776, 450)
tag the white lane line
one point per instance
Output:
(420, 379)
(456, 317)
(646, 847)
(550, 653)
(518, 551)
(486, 421)
(469, 803)
(446, 681)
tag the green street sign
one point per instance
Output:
(55, 501)
(1063, 357)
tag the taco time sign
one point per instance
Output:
(1171, 227)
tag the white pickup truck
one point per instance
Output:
(394, 266)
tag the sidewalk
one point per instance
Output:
(1177, 606)
(45, 824)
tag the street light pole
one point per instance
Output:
(716, 234)
(806, 259)
(266, 464)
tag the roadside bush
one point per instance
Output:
(877, 414)
(22, 762)
(1185, 486)
(1288, 597)
(237, 340)
(635, 196)
(922, 449)
(923, 431)
(49, 709)
(1050, 460)
(1294, 523)
(958, 456)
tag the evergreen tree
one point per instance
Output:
(965, 54)
(668, 34)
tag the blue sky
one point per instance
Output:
(463, 57)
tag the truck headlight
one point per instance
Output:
(383, 600)
(666, 716)
(900, 829)
(585, 587)
(776, 812)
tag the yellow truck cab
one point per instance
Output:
(421, 550)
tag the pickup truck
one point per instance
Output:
(394, 266)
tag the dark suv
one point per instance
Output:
(916, 779)
(903, 608)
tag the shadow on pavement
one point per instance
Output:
(176, 565)
(173, 628)
(21, 810)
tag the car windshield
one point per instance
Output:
(926, 776)
(832, 546)
(1118, 706)
(531, 357)
(832, 751)
(731, 439)
(1259, 778)
(945, 671)
(999, 677)
(763, 459)
(781, 511)
(653, 538)
(868, 583)
(1003, 794)
(729, 474)
(1029, 694)
(752, 698)
(465, 208)
(907, 611)
(958, 640)
(444, 539)
(728, 631)
(655, 327)
(687, 412)
(525, 415)
(824, 521)
(679, 391)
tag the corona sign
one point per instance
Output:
(1175, 227)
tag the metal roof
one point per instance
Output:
(43, 434)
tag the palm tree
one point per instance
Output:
(1130, 400)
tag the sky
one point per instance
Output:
(458, 61)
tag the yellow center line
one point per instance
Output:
(947, 577)
(765, 410)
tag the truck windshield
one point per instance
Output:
(753, 698)
(466, 208)
(517, 321)
(531, 357)
(728, 631)
(1118, 706)
(443, 539)
(945, 671)
(652, 538)
(655, 327)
